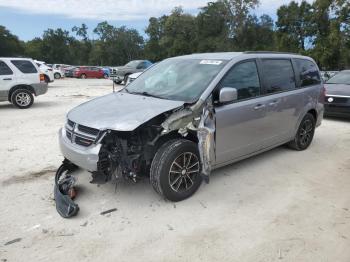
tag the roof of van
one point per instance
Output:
(16, 58)
(231, 55)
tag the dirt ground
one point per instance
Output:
(282, 205)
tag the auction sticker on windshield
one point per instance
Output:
(210, 62)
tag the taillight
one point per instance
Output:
(42, 78)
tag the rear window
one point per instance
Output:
(4, 69)
(279, 75)
(24, 66)
(308, 72)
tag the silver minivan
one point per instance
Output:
(189, 115)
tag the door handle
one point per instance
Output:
(259, 106)
(7, 79)
(273, 103)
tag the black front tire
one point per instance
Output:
(22, 98)
(57, 76)
(126, 78)
(162, 179)
(305, 133)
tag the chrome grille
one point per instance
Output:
(88, 130)
(81, 135)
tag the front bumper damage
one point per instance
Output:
(85, 157)
(121, 154)
(64, 190)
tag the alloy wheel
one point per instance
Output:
(23, 99)
(183, 171)
(305, 132)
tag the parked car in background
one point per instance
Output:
(188, 115)
(120, 74)
(88, 72)
(46, 70)
(20, 81)
(132, 77)
(57, 73)
(337, 102)
(328, 74)
(69, 71)
(106, 71)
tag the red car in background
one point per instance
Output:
(89, 72)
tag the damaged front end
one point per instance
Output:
(200, 118)
(110, 154)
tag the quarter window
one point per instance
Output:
(24, 66)
(308, 72)
(4, 69)
(279, 75)
(244, 77)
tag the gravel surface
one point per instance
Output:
(282, 205)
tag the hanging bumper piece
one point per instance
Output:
(64, 190)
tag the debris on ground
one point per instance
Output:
(13, 241)
(108, 211)
(64, 190)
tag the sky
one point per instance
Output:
(29, 18)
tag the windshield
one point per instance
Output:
(340, 78)
(177, 79)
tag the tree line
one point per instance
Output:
(320, 29)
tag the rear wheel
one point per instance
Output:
(305, 133)
(22, 98)
(57, 75)
(83, 76)
(175, 170)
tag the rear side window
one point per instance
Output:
(4, 69)
(279, 75)
(24, 66)
(308, 72)
(244, 77)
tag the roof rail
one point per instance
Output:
(269, 52)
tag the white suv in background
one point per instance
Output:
(20, 80)
(46, 70)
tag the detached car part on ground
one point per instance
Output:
(189, 115)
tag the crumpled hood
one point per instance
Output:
(337, 89)
(120, 111)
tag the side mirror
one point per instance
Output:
(227, 94)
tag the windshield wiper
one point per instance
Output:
(146, 94)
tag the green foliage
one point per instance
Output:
(9, 43)
(320, 29)
(294, 26)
